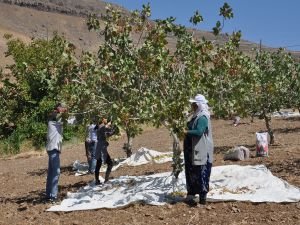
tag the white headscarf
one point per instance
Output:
(203, 108)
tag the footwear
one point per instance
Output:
(51, 200)
(107, 174)
(190, 200)
(97, 182)
(190, 197)
(202, 200)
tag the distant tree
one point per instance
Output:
(35, 82)
(230, 79)
(273, 84)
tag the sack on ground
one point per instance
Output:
(237, 153)
(262, 148)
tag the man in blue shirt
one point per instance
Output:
(91, 144)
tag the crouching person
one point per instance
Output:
(103, 132)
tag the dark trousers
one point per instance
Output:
(197, 177)
(109, 163)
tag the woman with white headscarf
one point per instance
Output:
(198, 150)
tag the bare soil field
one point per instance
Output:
(22, 181)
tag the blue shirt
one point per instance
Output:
(92, 133)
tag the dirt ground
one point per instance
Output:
(22, 182)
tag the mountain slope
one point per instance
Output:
(26, 23)
(27, 19)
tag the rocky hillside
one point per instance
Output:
(69, 7)
(27, 19)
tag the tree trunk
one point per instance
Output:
(252, 118)
(177, 162)
(270, 130)
(128, 146)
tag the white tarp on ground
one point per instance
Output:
(142, 156)
(233, 182)
(286, 114)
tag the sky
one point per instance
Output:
(273, 22)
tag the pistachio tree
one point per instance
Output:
(177, 78)
(143, 81)
(176, 75)
(146, 81)
(116, 83)
(294, 87)
(289, 68)
(230, 79)
(33, 84)
(276, 70)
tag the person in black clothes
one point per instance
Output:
(104, 130)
